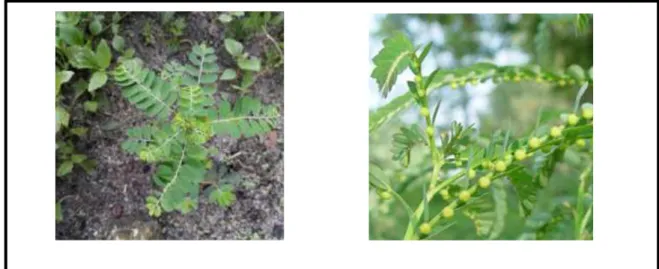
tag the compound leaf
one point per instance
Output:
(144, 89)
(248, 117)
(391, 61)
(223, 196)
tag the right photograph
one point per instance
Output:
(481, 127)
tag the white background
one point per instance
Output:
(326, 210)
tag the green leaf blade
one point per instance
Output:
(391, 61)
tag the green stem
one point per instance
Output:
(471, 190)
(434, 153)
(579, 216)
(409, 234)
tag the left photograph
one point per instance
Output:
(169, 125)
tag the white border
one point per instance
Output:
(326, 104)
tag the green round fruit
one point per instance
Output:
(471, 173)
(486, 164)
(484, 182)
(444, 192)
(500, 166)
(464, 196)
(447, 212)
(520, 154)
(580, 142)
(424, 112)
(425, 228)
(572, 119)
(385, 195)
(587, 113)
(534, 142)
(556, 131)
(430, 131)
(508, 159)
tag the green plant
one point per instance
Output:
(147, 33)
(248, 65)
(185, 117)
(76, 57)
(243, 26)
(175, 27)
(227, 17)
(477, 174)
(75, 51)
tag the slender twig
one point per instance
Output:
(274, 41)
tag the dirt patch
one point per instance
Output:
(113, 195)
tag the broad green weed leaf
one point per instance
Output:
(91, 106)
(98, 79)
(225, 18)
(64, 168)
(71, 34)
(81, 57)
(391, 61)
(78, 158)
(248, 80)
(118, 43)
(95, 27)
(234, 47)
(61, 77)
(237, 13)
(103, 55)
(250, 64)
(228, 74)
(62, 118)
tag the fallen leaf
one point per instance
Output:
(271, 140)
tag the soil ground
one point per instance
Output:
(113, 196)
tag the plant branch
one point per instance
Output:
(274, 41)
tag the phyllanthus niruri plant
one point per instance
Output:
(476, 175)
(185, 117)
